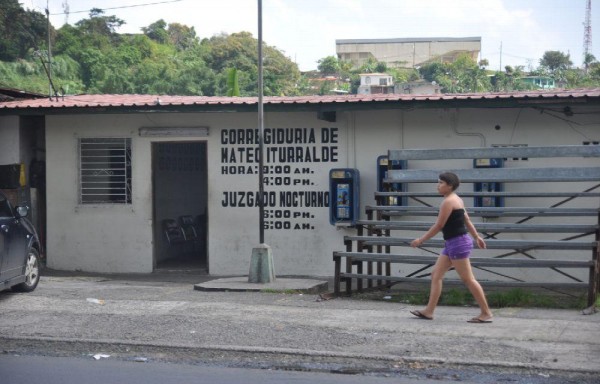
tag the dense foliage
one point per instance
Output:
(91, 57)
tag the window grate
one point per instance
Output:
(105, 171)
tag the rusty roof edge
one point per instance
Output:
(167, 103)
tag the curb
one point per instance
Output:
(24, 342)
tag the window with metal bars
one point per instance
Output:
(105, 171)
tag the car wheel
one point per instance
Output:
(32, 272)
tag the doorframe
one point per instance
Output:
(157, 224)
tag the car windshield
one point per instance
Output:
(4, 207)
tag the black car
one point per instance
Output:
(19, 249)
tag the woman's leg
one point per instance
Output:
(437, 277)
(464, 270)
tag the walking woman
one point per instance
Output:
(455, 224)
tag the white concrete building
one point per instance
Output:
(164, 157)
(371, 83)
(407, 52)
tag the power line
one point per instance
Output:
(121, 7)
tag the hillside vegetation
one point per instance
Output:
(91, 57)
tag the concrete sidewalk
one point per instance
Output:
(119, 316)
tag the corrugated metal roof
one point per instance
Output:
(155, 102)
(11, 94)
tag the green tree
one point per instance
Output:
(381, 67)
(239, 51)
(69, 41)
(510, 80)
(328, 66)
(594, 73)
(462, 76)
(471, 77)
(98, 24)
(233, 88)
(345, 69)
(21, 31)
(157, 31)
(93, 68)
(182, 36)
(369, 66)
(555, 60)
(588, 60)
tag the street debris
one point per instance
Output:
(95, 301)
(325, 296)
(589, 310)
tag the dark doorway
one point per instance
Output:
(179, 175)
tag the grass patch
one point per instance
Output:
(514, 297)
(456, 297)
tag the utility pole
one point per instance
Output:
(500, 69)
(261, 128)
(261, 263)
(587, 34)
(49, 51)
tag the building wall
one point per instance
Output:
(118, 238)
(9, 145)
(405, 54)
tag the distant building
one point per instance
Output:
(419, 87)
(377, 83)
(373, 83)
(407, 52)
(540, 82)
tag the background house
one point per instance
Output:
(372, 83)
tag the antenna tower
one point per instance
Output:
(587, 33)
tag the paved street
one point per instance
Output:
(164, 320)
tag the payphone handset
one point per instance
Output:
(344, 196)
(343, 200)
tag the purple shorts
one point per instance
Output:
(458, 247)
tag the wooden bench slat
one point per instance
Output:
(491, 213)
(495, 152)
(505, 175)
(535, 210)
(475, 261)
(483, 227)
(484, 211)
(491, 243)
(483, 282)
(490, 194)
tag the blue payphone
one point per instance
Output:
(488, 186)
(344, 195)
(383, 165)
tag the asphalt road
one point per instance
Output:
(70, 370)
(170, 322)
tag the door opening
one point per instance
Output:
(180, 196)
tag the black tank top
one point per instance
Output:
(455, 225)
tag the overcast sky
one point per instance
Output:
(513, 32)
